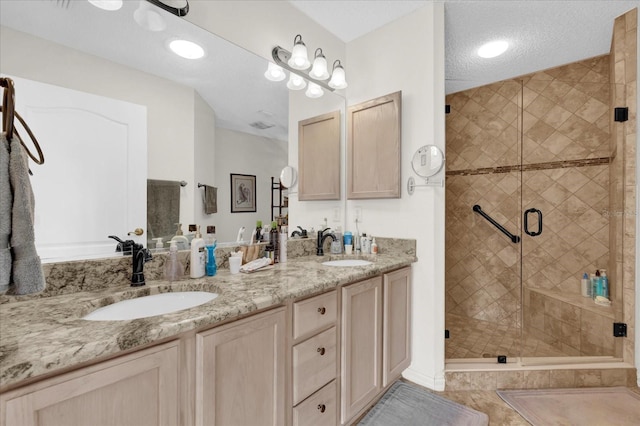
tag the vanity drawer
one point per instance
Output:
(320, 409)
(314, 313)
(314, 364)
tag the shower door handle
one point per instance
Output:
(526, 222)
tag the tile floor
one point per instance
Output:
(499, 412)
(472, 338)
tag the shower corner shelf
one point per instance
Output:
(411, 184)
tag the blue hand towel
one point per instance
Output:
(26, 274)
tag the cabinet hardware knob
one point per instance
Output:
(321, 350)
(322, 408)
(322, 310)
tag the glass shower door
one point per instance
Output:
(569, 175)
(482, 264)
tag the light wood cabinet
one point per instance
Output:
(314, 360)
(137, 389)
(319, 157)
(376, 331)
(361, 346)
(396, 328)
(374, 148)
(240, 376)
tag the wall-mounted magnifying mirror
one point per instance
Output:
(427, 161)
(288, 177)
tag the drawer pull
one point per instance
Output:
(322, 408)
(321, 350)
(322, 310)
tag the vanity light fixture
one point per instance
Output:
(493, 49)
(109, 5)
(296, 62)
(186, 49)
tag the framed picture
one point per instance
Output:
(243, 193)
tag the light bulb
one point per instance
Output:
(274, 72)
(109, 5)
(299, 59)
(314, 91)
(493, 49)
(338, 77)
(296, 82)
(186, 49)
(319, 70)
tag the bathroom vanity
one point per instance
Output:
(302, 343)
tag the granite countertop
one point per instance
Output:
(42, 335)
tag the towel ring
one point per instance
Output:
(8, 100)
(40, 158)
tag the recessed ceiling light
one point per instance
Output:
(186, 49)
(107, 4)
(493, 49)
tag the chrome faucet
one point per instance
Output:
(321, 237)
(140, 256)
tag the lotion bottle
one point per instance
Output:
(198, 257)
(374, 246)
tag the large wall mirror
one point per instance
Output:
(206, 118)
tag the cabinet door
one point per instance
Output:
(319, 157)
(396, 334)
(361, 347)
(240, 372)
(137, 389)
(373, 148)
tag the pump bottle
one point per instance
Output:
(197, 265)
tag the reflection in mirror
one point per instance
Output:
(288, 177)
(427, 161)
(206, 118)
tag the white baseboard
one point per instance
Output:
(432, 382)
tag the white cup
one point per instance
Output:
(348, 248)
(234, 264)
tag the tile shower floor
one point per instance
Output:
(472, 338)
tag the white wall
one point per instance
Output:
(408, 55)
(242, 153)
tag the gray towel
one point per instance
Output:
(26, 274)
(210, 199)
(6, 199)
(163, 208)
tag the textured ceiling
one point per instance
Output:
(543, 34)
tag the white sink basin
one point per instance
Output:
(148, 306)
(347, 262)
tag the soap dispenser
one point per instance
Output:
(182, 242)
(197, 264)
(173, 269)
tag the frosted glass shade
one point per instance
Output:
(338, 78)
(314, 91)
(296, 82)
(319, 70)
(299, 59)
(274, 72)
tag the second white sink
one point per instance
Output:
(149, 306)
(347, 262)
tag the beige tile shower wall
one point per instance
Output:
(624, 59)
(482, 264)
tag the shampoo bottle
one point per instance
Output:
(585, 288)
(197, 265)
(605, 283)
(210, 245)
(173, 269)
